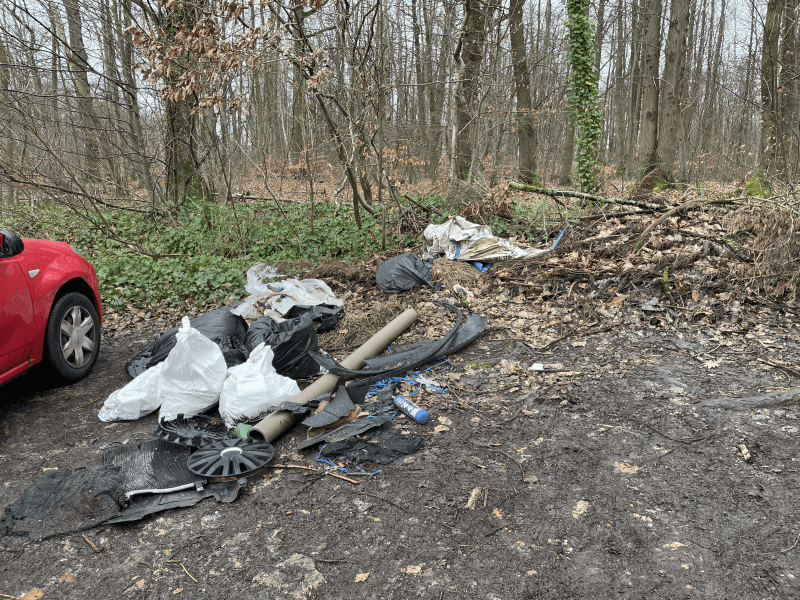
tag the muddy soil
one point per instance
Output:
(660, 460)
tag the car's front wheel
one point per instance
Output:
(73, 336)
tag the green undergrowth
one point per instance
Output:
(201, 254)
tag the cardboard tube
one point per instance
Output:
(276, 424)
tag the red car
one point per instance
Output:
(49, 308)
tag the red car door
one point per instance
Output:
(16, 317)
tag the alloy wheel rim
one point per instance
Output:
(78, 337)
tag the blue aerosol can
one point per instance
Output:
(420, 415)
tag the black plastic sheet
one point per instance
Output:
(403, 272)
(221, 326)
(291, 341)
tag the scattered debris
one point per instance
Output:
(744, 452)
(473, 498)
(458, 239)
(277, 298)
(580, 509)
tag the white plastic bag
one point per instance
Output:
(254, 387)
(137, 399)
(193, 374)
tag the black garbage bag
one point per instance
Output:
(291, 342)
(327, 315)
(403, 272)
(221, 326)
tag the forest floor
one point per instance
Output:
(655, 456)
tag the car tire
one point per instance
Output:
(72, 340)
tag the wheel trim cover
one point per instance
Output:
(78, 337)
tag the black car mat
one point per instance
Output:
(152, 466)
(62, 502)
(147, 504)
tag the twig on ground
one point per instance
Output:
(681, 440)
(184, 569)
(385, 500)
(92, 545)
(87, 404)
(337, 476)
(793, 545)
(512, 458)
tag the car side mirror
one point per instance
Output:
(10, 244)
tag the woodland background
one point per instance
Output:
(231, 131)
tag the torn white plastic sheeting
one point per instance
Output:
(253, 388)
(256, 276)
(458, 239)
(278, 297)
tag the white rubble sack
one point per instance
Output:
(458, 239)
(278, 297)
(193, 374)
(253, 388)
(137, 399)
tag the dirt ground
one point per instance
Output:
(619, 477)
(656, 456)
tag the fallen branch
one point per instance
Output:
(583, 196)
(425, 208)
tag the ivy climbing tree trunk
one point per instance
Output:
(584, 107)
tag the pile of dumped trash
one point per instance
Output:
(250, 373)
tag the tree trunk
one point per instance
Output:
(466, 93)
(650, 85)
(141, 160)
(6, 118)
(788, 129)
(619, 139)
(769, 87)
(526, 129)
(635, 70)
(565, 178)
(672, 99)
